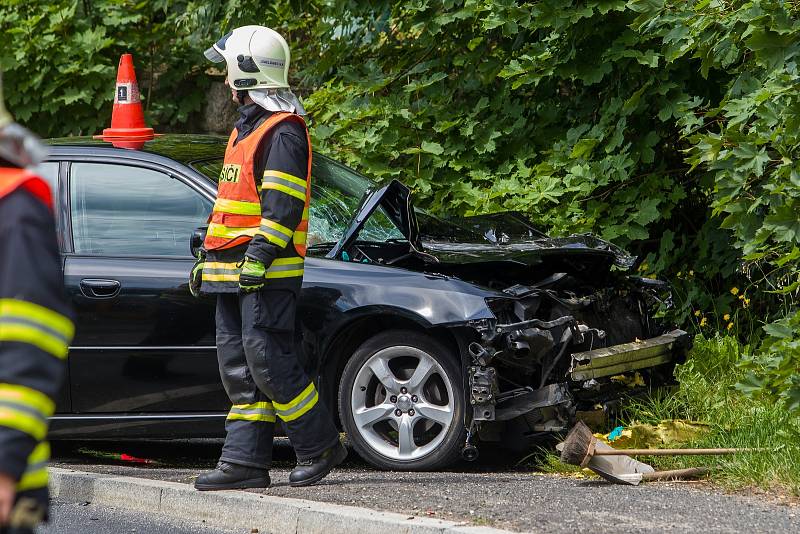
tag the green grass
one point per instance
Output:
(706, 393)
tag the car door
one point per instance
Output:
(143, 344)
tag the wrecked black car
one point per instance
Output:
(427, 336)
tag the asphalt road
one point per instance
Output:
(87, 518)
(491, 492)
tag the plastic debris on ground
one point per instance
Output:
(121, 457)
(646, 436)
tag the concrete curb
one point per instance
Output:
(239, 509)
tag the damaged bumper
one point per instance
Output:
(617, 359)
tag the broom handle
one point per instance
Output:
(667, 452)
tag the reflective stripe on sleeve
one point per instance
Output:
(25, 396)
(24, 419)
(285, 268)
(275, 232)
(298, 406)
(258, 411)
(25, 322)
(285, 183)
(35, 475)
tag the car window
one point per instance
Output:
(132, 211)
(48, 171)
(336, 192)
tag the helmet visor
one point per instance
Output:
(213, 55)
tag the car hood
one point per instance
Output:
(484, 238)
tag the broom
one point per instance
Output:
(580, 446)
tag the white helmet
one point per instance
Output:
(257, 58)
(18, 146)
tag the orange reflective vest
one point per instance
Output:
(12, 178)
(236, 216)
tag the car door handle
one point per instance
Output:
(100, 289)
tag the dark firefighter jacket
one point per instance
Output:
(280, 169)
(35, 330)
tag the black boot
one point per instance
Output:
(312, 471)
(232, 476)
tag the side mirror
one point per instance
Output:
(198, 237)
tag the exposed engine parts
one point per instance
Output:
(530, 340)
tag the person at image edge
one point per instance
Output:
(36, 328)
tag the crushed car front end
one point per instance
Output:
(567, 347)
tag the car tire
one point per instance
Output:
(412, 418)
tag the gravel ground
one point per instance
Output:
(485, 494)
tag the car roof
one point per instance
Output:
(183, 148)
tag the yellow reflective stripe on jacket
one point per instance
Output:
(237, 207)
(285, 268)
(220, 277)
(33, 479)
(298, 406)
(232, 265)
(25, 322)
(258, 411)
(300, 237)
(230, 232)
(217, 271)
(25, 396)
(23, 419)
(35, 475)
(275, 232)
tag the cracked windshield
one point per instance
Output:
(336, 192)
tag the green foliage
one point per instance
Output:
(670, 128)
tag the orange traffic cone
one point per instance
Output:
(128, 129)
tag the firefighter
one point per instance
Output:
(35, 328)
(253, 261)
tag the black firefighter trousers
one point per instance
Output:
(264, 380)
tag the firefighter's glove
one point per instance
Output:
(196, 274)
(253, 275)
